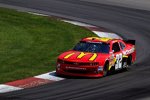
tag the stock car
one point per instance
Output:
(96, 57)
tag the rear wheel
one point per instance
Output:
(127, 63)
(124, 63)
(129, 60)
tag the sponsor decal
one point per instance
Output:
(81, 55)
(76, 68)
(69, 55)
(129, 51)
(112, 62)
(104, 39)
(93, 57)
(76, 63)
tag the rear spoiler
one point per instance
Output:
(130, 41)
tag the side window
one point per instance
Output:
(122, 45)
(116, 47)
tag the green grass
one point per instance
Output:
(30, 44)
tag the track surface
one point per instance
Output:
(130, 23)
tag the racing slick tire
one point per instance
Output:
(127, 62)
(105, 71)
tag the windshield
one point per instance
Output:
(92, 47)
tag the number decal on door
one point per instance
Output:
(118, 64)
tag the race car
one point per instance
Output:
(96, 57)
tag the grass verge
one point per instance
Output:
(30, 44)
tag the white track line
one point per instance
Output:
(37, 14)
(78, 23)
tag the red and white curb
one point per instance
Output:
(51, 77)
(30, 82)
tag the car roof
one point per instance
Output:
(98, 39)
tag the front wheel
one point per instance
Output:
(105, 71)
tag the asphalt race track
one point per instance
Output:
(129, 23)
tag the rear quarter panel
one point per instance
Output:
(130, 50)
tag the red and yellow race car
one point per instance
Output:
(96, 57)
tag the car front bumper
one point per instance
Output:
(78, 74)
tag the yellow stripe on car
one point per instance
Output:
(104, 39)
(82, 54)
(124, 56)
(67, 56)
(93, 57)
(109, 67)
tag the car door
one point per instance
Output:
(118, 55)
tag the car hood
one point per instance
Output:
(77, 56)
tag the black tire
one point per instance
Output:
(124, 64)
(129, 60)
(105, 71)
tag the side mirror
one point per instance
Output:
(112, 52)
